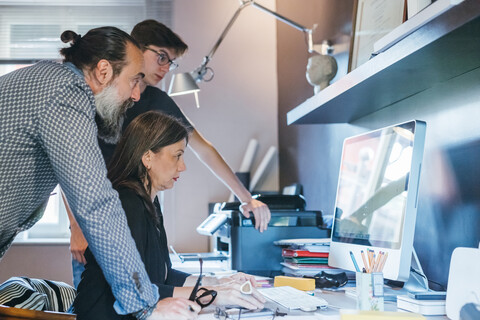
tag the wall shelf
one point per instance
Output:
(444, 48)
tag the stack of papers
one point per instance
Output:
(305, 257)
(315, 245)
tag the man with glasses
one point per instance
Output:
(161, 46)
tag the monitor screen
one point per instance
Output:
(377, 193)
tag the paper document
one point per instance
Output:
(303, 242)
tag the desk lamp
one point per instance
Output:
(184, 83)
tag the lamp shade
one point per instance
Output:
(182, 83)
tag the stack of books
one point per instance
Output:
(305, 257)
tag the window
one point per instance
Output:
(30, 31)
(54, 223)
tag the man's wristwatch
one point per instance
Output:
(144, 313)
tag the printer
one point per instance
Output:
(245, 249)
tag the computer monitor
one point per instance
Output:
(377, 196)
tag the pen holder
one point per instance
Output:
(369, 291)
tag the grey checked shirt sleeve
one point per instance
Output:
(68, 134)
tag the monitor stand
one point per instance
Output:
(417, 281)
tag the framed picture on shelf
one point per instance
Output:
(372, 19)
(415, 6)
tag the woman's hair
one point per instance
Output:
(107, 43)
(149, 131)
(152, 32)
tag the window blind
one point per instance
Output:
(30, 30)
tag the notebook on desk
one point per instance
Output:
(378, 315)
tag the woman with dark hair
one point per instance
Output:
(149, 159)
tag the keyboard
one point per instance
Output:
(292, 298)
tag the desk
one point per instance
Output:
(336, 299)
(342, 301)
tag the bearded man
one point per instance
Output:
(48, 136)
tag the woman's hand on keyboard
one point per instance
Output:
(230, 294)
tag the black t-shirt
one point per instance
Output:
(151, 99)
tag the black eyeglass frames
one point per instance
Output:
(203, 292)
(163, 59)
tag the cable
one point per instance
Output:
(425, 277)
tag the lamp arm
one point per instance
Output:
(281, 18)
(291, 23)
(225, 31)
(199, 73)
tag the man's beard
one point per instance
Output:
(110, 114)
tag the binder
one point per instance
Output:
(304, 266)
(303, 253)
(307, 260)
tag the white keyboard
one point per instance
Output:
(292, 298)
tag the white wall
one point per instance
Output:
(240, 103)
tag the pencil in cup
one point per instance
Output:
(380, 261)
(382, 264)
(370, 258)
(375, 262)
(364, 261)
(354, 262)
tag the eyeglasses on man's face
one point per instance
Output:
(163, 59)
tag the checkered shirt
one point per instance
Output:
(48, 136)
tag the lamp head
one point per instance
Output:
(182, 83)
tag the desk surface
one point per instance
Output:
(336, 299)
(339, 300)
